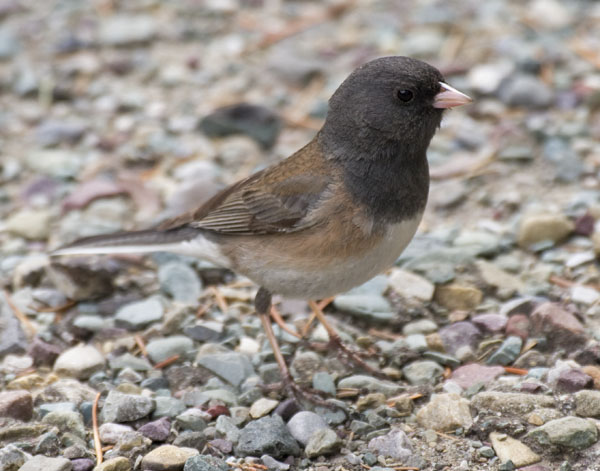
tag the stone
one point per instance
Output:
(59, 163)
(160, 349)
(82, 464)
(323, 381)
(11, 458)
(370, 401)
(180, 281)
(370, 306)
(395, 445)
(490, 323)
(12, 337)
(543, 227)
(40, 462)
(445, 412)
(561, 328)
(499, 278)
(469, 375)
(110, 433)
(569, 432)
(410, 286)
(510, 403)
(225, 426)
(272, 464)
(267, 435)
(573, 379)
(43, 353)
(323, 442)
(139, 314)
(486, 78)
(231, 367)
(66, 421)
(508, 352)
(157, 430)
(119, 463)
(587, 403)
(370, 384)
(205, 463)
(29, 223)
(52, 132)
(131, 445)
(166, 406)
(518, 325)
(458, 335)
(508, 448)
(66, 390)
(456, 296)
(127, 30)
(167, 458)
(262, 407)
(80, 362)
(584, 294)
(525, 91)
(16, 404)
(127, 360)
(304, 424)
(422, 372)
(119, 407)
(257, 122)
(422, 326)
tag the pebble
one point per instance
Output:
(445, 412)
(167, 407)
(82, 464)
(323, 442)
(66, 421)
(395, 444)
(508, 448)
(119, 407)
(469, 375)
(527, 91)
(16, 404)
(584, 295)
(38, 462)
(561, 328)
(490, 323)
(458, 296)
(370, 384)
(180, 281)
(110, 432)
(157, 430)
(127, 30)
(422, 372)
(500, 279)
(272, 464)
(538, 228)
(119, 463)
(58, 163)
(205, 463)
(367, 306)
(411, 286)
(510, 403)
(226, 426)
(587, 403)
(9, 44)
(12, 457)
(159, 349)
(167, 458)
(458, 335)
(422, 326)
(12, 337)
(80, 362)
(323, 381)
(304, 424)
(29, 223)
(267, 435)
(507, 352)
(262, 407)
(573, 379)
(232, 367)
(127, 360)
(569, 432)
(139, 314)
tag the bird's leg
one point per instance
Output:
(281, 323)
(335, 341)
(262, 303)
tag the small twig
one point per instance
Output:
(445, 435)
(19, 314)
(97, 444)
(140, 343)
(516, 371)
(202, 310)
(556, 280)
(382, 334)
(166, 362)
(63, 307)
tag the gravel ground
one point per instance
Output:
(117, 115)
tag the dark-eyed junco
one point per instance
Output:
(334, 214)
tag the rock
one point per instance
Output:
(469, 375)
(486, 78)
(262, 407)
(12, 337)
(458, 335)
(304, 424)
(507, 352)
(29, 223)
(410, 286)
(370, 384)
(587, 403)
(525, 91)
(66, 390)
(257, 122)
(80, 362)
(131, 445)
(119, 463)
(323, 381)
(584, 295)
(119, 407)
(561, 328)
(491, 323)
(180, 281)
(82, 464)
(458, 296)
(510, 403)
(368, 306)
(569, 432)
(51, 133)
(139, 314)
(127, 360)
(167, 458)
(272, 464)
(267, 435)
(160, 349)
(59, 163)
(157, 430)
(205, 463)
(445, 412)
(543, 227)
(422, 326)
(9, 44)
(43, 353)
(550, 15)
(127, 30)
(422, 372)
(40, 462)
(573, 379)
(518, 325)
(167, 407)
(11, 458)
(394, 444)
(323, 442)
(231, 367)
(66, 421)
(500, 279)
(81, 280)
(225, 425)
(16, 404)
(110, 433)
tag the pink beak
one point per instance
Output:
(450, 97)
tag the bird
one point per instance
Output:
(332, 215)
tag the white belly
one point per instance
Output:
(348, 273)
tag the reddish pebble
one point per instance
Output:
(518, 325)
(216, 411)
(584, 225)
(561, 328)
(573, 380)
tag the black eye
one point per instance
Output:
(404, 95)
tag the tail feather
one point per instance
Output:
(128, 242)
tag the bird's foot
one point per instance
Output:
(300, 393)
